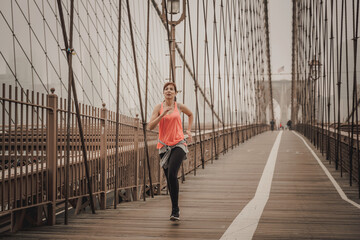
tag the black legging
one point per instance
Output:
(174, 162)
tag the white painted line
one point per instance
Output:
(336, 185)
(62, 211)
(244, 225)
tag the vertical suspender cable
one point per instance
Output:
(140, 100)
(243, 72)
(225, 74)
(197, 117)
(218, 45)
(246, 69)
(237, 81)
(69, 52)
(196, 87)
(182, 163)
(268, 56)
(358, 100)
(212, 90)
(332, 53)
(228, 13)
(194, 69)
(312, 58)
(240, 71)
(331, 63)
(355, 99)
(339, 68)
(67, 169)
(204, 79)
(117, 112)
(147, 58)
(308, 50)
(356, 24)
(293, 61)
(146, 85)
(315, 84)
(220, 98)
(352, 113)
(327, 91)
(257, 76)
(254, 81)
(347, 76)
(207, 60)
(231, 55)
(321, 82)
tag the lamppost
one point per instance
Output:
(315, 69)
(173, 8)
(314, 75)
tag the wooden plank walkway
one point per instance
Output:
(303, 203)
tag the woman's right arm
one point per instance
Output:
(155, 118)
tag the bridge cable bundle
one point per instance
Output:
(325, 109)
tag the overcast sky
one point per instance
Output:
(280, 21)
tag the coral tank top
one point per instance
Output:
(170, 128)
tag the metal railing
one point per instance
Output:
(338, 151)
(33, 148)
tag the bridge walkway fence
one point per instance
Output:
(33, 152)
(336, 146)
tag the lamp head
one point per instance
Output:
(315, 69)
(173, 6)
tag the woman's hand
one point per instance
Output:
(189, 139)
(166, 109)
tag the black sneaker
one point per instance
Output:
(175, 214)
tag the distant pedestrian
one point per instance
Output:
(172, 145)
(289, 124)
(272, 124)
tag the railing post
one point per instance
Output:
(160, 172)
(103, 157)
(137, 158)
(51, 153)
(216, 144)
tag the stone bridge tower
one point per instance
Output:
(282, 94)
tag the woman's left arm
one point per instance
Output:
(187, 111)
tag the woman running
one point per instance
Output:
(172, 145)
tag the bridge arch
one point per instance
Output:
(281, 91)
